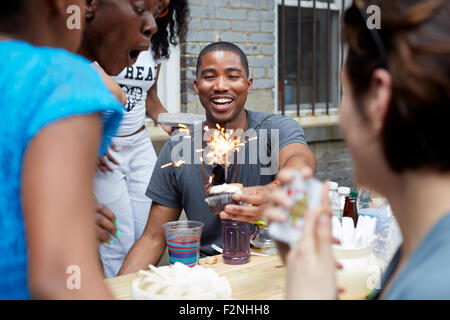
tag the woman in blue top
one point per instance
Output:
(394, 117)
(55, 114)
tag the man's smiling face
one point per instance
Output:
(222, 85)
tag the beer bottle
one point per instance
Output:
(350, 209)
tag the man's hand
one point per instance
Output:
(255, 199)
(278, 199)
(102, 163)
(167, 129)
(260, 199)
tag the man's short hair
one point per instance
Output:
(223, 46)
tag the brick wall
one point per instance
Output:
(250, 24)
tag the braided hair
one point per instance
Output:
(172, 29)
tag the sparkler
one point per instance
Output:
(220, 145)
(176, 164)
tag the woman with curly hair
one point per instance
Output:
(123, 174)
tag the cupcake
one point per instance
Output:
(220, 196)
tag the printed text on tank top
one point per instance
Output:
(140, 73)
(136, 81)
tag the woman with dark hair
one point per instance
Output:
(112, 49)
(394, 117)
(56, 113)
(123, 174)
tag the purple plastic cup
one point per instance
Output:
(236, 241)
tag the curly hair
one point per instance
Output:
(172, 29)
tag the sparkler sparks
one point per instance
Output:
(166, 165)
(221, 144)
(176, 164)
(210, 181)
(183, 128)
(179, 163)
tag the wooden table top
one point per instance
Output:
(263, 278)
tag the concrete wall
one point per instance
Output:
(332, 156)
(333, 162)
(247, 23)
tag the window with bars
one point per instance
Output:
(309, 56)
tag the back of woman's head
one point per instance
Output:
(415, 35)
(172, 29)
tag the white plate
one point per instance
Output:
(173, 119)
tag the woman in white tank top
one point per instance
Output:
(123, 175)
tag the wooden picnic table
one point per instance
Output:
(263, 278)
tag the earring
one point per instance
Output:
(89, 15)
(164, 13)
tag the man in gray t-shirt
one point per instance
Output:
(273, 142)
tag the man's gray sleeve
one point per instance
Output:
(290, 130)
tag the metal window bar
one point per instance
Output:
(342, 49)
(283, 54)
(327, 63)
(314, 35)
(328, 78)
(299, 60)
